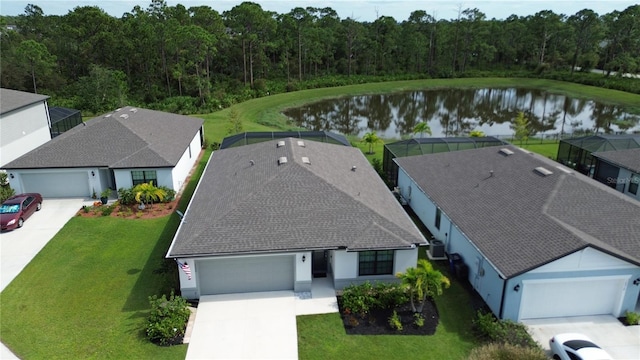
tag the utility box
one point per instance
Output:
(436, 248)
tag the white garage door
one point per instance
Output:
(253, 274)
(60, 184)
(571, 297)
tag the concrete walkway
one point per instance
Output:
(621, 342)
(255, 325)
(20, 246)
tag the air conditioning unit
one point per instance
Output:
(436, 249)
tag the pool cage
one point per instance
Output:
(421, 146)
(576, 152)
(257, 137)
(63, 119)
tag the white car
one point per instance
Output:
(574, 346)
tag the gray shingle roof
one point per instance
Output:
(127, 138)
(265, 207)
(628, 159)
(11, 100)
(519, 219)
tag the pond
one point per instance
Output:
(457, 112)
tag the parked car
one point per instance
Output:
(574, 346)
(18, 208)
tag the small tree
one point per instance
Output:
(423, 281)
(476, 133)
(521, 127)
(421, 128)
(5, 189)
(146, 193)
(371, 138)
(168, 319)
(235, 123)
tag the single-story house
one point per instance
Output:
(117, 150)
(619, 170)
(538, 239)
(273, 215)
(24, 123)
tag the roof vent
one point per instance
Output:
(282, 160)
(300, 143)
(543, 171)
(506, 152)
(124, 116)
(133, 110)
(108, 115)
(306, 160)
(252, 162)
(353, 168)
(280, 143)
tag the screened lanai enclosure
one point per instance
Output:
(421, 146)
(257, 137)
(576, 152)
(63, 119)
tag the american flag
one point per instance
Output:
(185, 267)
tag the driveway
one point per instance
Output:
(19, 246)
(245, 326)
(621, 342)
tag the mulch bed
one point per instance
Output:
(377, 321)
(129, 211)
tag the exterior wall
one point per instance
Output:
(625, 177)
(186, 162)
(190, 288)
(344, 266)
(23, 130)
(584, 264)
(123, 177)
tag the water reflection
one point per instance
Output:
(457, 112)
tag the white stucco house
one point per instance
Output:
(117, 150)
(24, 123)
(274, 215)
(539, 240)
(619, 170)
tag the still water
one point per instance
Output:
(456, 112)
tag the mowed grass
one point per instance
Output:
(86, 294)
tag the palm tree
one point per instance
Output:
(421, 128)
(371, 138)
(423, 281)
(147, 193)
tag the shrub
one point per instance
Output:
(106, 210)
(389, 295)
(85, 208)
(126, 196)
(168, 319)
(358, 299)
(496, 351)
(490, 329)
(395, 322)
(418, 320)
(632, 318)
(171, 194)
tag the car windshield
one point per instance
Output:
(9, 208)
(579, 344)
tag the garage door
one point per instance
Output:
(571, 297)
(62, 184)
(267, 273)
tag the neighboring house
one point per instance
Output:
(24, 123)
(272, 215)
(619, 170)
(539, 240)
(118, 150)
(576, 153)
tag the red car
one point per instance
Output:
(15, 210)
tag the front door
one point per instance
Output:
(319, 263)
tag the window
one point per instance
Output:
(375, 262)
(633, 185)
(438, 217)
(140, 177)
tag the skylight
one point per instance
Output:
(280, 143)
(306, 160)
(282, 160)
(506, 152)
(543, 171)
(300, 143)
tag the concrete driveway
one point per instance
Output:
(19, 246)
(245, 326)
(621, 342)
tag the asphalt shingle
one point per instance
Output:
(247, 203)
(11, 100)
(628, 159)
(520, 219)
(127, 138)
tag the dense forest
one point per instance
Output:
(196, 59)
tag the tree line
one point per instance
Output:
(201, 58)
